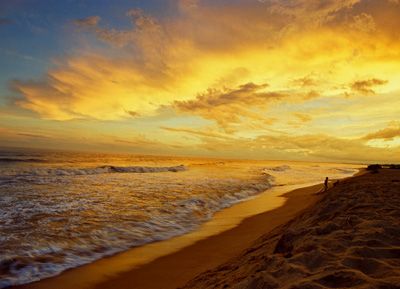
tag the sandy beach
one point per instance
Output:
(349, 239)
(172, 263)
(175, 270)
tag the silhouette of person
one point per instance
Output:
(326, 184)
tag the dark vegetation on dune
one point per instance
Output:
(349, 239)
(376, 167)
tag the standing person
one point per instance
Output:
(326, 184)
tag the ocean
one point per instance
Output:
(60, 210)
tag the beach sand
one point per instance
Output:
(172, 263)
(348, 239)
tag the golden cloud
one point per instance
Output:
(388, 133)
(365, 86)
(303, 117)
(175, 59)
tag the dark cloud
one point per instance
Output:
(133, 113)
(137, 142)
(5, 21)
(246, 94)
(366, 86)
(88, 21)
(310, 95)
(31, 135)
(229, 106)
(200, 133)
(305, 81)
(145, 33)
(371, 16)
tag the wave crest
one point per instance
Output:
(278, 168)
(98, 170)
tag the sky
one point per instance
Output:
(313, 80)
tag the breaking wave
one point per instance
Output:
(282, 168)
(38, 171)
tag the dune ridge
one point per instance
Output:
(348, 239)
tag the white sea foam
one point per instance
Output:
(278, 168)
(35, 260)
(97, 170)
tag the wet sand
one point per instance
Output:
(172, 263)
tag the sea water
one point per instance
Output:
(60, 210)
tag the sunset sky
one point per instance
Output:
(259, 79)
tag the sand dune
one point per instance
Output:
(349, 239)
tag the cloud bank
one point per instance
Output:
(245, 68)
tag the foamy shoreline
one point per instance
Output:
(225, 221)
